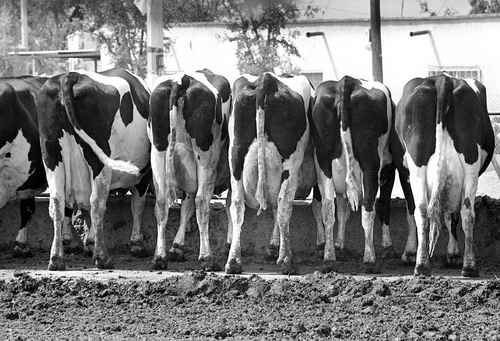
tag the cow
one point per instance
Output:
(22, 175)
(448, 139)
(356, 152)
(188, 133)
(268, 135)
(93, 139)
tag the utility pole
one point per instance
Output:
(376, 41)
(154, 48)
(24, 24)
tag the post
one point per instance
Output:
(154, 27)
(24, 24)
(376, 41)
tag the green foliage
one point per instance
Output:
(484, 6)
(258, 28)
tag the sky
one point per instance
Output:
(338, 9)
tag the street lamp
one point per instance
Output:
(322, 34)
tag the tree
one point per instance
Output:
(258, 28)
(484, 6)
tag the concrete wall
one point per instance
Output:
(256, 230)
(461, 41)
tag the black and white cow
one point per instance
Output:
(22, 175)
(444, 124)
(93, 139)
(268, 135)
(188, 132)
(356, 152)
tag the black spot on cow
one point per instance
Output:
(139, 93)
(160, 119)
(198, 113)
(219, 82)
(126, 109)
(284, 175)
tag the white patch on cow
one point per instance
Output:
(250, 78)
(15, 169)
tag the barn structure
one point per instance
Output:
(463, 47)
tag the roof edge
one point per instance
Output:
(387, 20)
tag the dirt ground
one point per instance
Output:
(187, 303)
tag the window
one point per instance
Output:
(314, 77)
(473, 72)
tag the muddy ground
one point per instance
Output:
(130, 302)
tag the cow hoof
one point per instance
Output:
(422, 270)
(103, 262)
(22, 250)
(209, 263)
(159, 263)
(233, 266)
(371, 267)
(389, 253)
(272, 252)
(453, 261)
(328, 266)
(56, 263)
(409, 258)
(346, 254)
(287, 267)
(320, 250)
(137, 249)
(468, 271)
(176, 254)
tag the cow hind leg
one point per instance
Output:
(320, 229)
(383, 208)
(21, 247)
(410, 251)
(137, 203)
(176, 252)
(453, 258)
(70, 243)
(343, 213)
(467, 215)
(284, 213)
(229, 222)
(56, 181)
(237, 211)
(370, 186)
(206, 181)
(98, 198)
(272, 251)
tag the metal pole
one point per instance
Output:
(376, 41)
(24, 24)
(433, 44)
(330, 56)
(154, 28)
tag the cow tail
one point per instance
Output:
(260, 117)
(67, 98)
(175, 105)
(444, 102)
(344, 109)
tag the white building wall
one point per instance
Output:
(461, 41)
